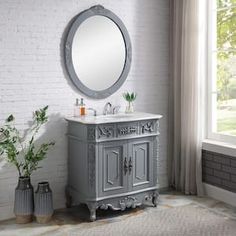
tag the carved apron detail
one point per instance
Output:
(105, 131)
(127, 130)
(148, 127)
(129, 202)
(122, 204)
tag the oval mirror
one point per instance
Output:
(97, 52)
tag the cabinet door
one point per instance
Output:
(141, 164)
(112, 177)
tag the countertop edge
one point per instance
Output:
(145, 116)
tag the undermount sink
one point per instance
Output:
(120, 117)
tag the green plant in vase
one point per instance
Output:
(130, 98)
(21, 151)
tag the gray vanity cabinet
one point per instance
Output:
(112, 165)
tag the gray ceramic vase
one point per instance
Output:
(43, 203)
(24, 201)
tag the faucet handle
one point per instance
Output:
(107, 108)
(115, 109)
(94, 111)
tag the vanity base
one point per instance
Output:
(113, 164)
(118, 203)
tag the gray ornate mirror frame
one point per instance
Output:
(79, 19)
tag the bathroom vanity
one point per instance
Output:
(112, 161)
(112, 158)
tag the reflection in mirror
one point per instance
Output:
(98, 53)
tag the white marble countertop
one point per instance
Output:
(120, 117)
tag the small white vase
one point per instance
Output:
(129, 108)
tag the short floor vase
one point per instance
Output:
(24, 201)
(43, 203)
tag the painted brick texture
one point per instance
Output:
(32, 75)
(219, 170)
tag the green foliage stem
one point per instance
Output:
(129, 97)
(24, 156)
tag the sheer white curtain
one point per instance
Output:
(188, 56)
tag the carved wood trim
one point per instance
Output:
(148, 127)
(91, 164)
(67, 52)
(155, 157)
(105, 131)
(129, 201)
(128, 129)
(97, 8)
(91, 133)
(111, 131)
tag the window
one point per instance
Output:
(222, 70)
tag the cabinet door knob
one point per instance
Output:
(125, 165)
(130, 165)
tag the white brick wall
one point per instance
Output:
(32, 75)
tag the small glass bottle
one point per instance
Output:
(82, 107)
(76, 108)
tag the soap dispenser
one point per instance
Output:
(82, 107)
(76, 108)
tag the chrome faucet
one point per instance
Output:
(115, 109)
(107, 108)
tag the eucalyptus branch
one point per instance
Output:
(19, 139)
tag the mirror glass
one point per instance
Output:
(98, 53)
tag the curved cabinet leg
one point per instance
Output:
(92, 206)
(155, 196)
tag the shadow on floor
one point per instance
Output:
(80, 214)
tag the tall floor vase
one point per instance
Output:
(24, 201)
(43, 203)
